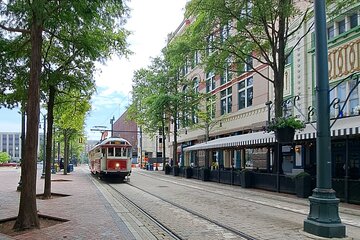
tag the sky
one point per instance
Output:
(150, 22)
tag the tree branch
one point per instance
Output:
(19, 30)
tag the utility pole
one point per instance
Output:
(323, 219)
(112, 125)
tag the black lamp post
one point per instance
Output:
(323, 219)
(44, 147)
(268, 105)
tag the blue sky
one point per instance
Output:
(150, 23)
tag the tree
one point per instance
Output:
(157, 98)
(70, 119)
(228, 33)
(4, 157)
(40, 20)
(73, 71)
(150, 101)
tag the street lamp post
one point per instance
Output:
(44, 148)
(112, 125)
(323, 219)
(268, 105)
(22, 153)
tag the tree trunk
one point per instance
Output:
(50, 120)
(66, 153)
(28, 217)
(163, 143)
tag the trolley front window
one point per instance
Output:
(117, 152)
(110, 152)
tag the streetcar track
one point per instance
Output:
(148, 215)
(345, 221)
(230, 229)
(134, 205)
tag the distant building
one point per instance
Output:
(90, 144)
(150, 147)
(10, 143)
(128, 130)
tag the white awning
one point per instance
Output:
(342, 127)
(235, 141)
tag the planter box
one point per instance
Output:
(167, 169)
(285, 135)
(205, 174)
(188, 172)
(246, 179)
(176, 170)
(303, 186)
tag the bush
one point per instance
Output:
(303, 185)
(302, 175)
(284, 122)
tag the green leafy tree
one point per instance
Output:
(70, 119)
(40, 21)
(157, 98)
(4, 157)
(150, 100)
(65, 70)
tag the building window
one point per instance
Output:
(288, 60)
(225, 32)
(211, 107)
(341, 26)
(226, 101)
(330, 32)
(245, 93)
(194, 117)
(210, 44)
(210, 81)
(196, 59)
(196, 84)
(312, 40)
(353, 20)
(342, 91)
(227, 74)
(248, 64)
(186, 112)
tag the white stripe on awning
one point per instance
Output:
(342, 127)
(235, 141)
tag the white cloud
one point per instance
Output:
(150, 23)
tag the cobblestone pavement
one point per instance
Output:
(95, 211)
(263, 215)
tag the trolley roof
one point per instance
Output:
(112, 141)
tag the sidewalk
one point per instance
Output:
(90, 215)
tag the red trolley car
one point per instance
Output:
(111, 157)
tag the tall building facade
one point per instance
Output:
(10, 143)
(236, 136)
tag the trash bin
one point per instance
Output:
(70, 167)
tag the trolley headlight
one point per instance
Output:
(117, 165)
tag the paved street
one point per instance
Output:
(192, 209)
